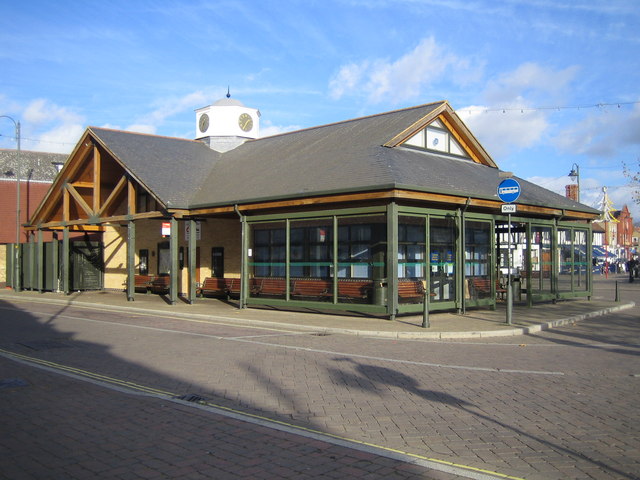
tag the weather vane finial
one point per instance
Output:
(228, 94)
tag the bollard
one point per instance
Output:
(425, 311)
(617, 298)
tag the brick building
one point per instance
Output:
(37, 172)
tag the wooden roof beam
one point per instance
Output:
(114, 194)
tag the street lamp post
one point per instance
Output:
(575, 174)
(16, 257)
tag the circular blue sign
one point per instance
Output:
(509, 190)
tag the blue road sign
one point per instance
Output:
(509, 190)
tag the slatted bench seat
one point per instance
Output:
(142, 283)
(212, 286)
(411, 290)
(482, 286)
(315, 288)
(161, 284)
(268, 286)
(349, 290)
(232, 287)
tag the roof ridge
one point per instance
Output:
(355, 119)
(93, 128)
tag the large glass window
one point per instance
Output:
(411, 247)
(572, 261)
(442, 258)
(565, 259)
(269, 250)
(477, 269)
(362, 249)
(580, 261)
(541, 262)
(311, 249)
(360, 252)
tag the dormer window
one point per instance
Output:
(436, 137)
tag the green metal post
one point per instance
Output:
(287, 259)
(192, 260)
(335, 259)
(40, 263)
(392, 260)
(244, 271)
(66, 261)
(174, 270)
(131, 260)
(55, 263)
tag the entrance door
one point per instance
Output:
(86, 265)
(217, 262)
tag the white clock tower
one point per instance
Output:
(227, 124)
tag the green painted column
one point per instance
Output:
(244, 271)
(191, 271)
(336, 253)
(32, 262)
(66, 261)
(174, 270)
(287, 261)
(131, 260)
(55, 263)
(392, 260)
(40, 263)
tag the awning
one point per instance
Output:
(601, 252)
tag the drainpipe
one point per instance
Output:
(241, 303)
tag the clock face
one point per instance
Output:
(203, 123)
(245, 122)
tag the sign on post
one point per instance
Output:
(509, 190)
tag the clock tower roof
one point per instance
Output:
(228, 102)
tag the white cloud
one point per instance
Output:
(60, 139)
(502, 132)
(268, 130)
(531, 81)
(511, 119)
(603, 133)
(50, 128)
(401, 79)
(167, 107)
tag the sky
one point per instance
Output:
(544, 85)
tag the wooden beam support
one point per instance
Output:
(115, 192)
(97, 166)
(65, 205)
(78, 198)
(131, 197)
(82, 224)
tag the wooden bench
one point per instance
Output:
(268, 286)
(142, 283)
(411, 290)
(212, 286)
(482, 285)
(161, 284)
(232, 287)
(316, 288)
(350, 290)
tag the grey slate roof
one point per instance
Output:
(34, 166)
(172, 168)
(347, 156)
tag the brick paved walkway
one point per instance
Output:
(56, 427)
